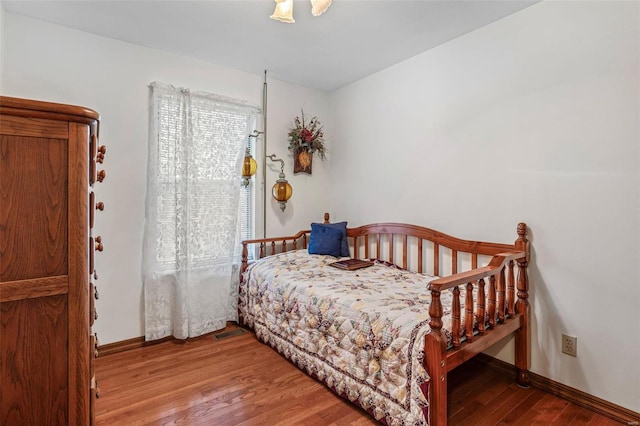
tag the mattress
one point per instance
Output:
(360, 332)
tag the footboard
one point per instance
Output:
(496, 311)
(497, 315)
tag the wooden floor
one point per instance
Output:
(240, 381)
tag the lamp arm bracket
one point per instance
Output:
(255, 134)
(273, 157)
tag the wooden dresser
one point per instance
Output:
(48, 155)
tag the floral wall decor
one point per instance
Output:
(306, 138)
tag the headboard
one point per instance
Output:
(409, 247)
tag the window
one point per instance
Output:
(200, 205)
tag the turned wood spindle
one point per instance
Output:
(492, 301)
(481, 317)
(468, 309)
(511, 291)
(455, 315)
(435, 312)
(501, 296)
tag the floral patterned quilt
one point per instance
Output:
(360, 332)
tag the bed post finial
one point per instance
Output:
(326, 218)
(522, 243)
(522, 308)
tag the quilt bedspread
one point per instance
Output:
(360, 332)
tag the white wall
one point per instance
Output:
(534, 118)
(1, 44)
(57, 64)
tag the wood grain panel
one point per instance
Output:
(31, 289)
(44, 256)
(79, 330)
(34, 166)
(36, 127)
(34, 362)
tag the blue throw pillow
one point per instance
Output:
(342, 226)
(325, 240)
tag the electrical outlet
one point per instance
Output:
(569, 345)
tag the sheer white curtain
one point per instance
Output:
(196, 145)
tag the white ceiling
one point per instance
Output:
(353, 39)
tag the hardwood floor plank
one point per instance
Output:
(240, 381)
(520, 413)
(492, 414)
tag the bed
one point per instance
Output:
(383, 336)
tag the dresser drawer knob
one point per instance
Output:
(99, 246)
(101, 175)
(96, 295)
(95, 314)
(100, 206)
(101, 152)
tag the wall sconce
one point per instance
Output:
(284, 9)
(281, 190)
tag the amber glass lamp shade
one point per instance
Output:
(282, 191)
(249, 167)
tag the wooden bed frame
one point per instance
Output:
(505, 302)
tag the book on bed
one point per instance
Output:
(351, 264)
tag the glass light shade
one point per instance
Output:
(249, 167)
(318, 7)
(282, 191)
(283, 11)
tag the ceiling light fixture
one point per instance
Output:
(284, 9)
(318, 7)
